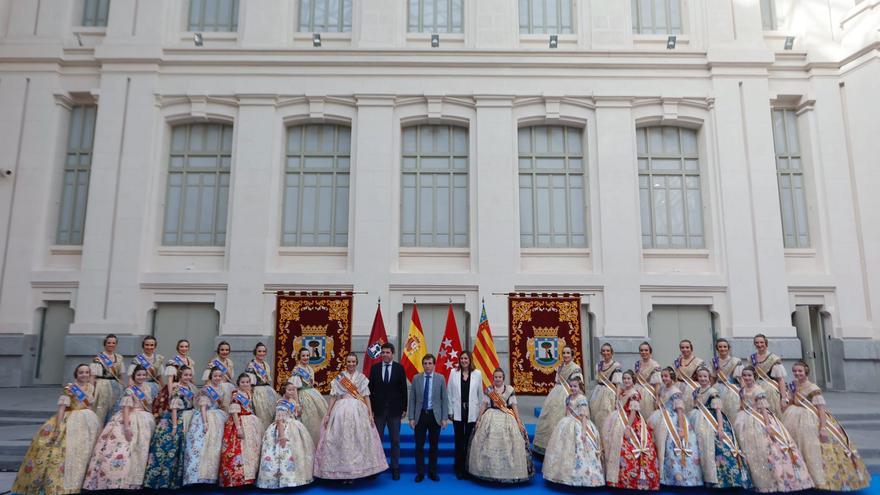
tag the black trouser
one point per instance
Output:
(427, 424)
(463, 431)
(383, 419)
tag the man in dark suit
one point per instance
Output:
(428, 410)
(388, 398)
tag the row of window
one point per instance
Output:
(435, 171)
(430, 16)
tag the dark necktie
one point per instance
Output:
(387, 377)
(426, 392)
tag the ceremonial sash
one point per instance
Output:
(140, 395)
(350, 387)
(763, 375)
(143, 361)
(640, 440)
(186, 392)
(778, 433)
(644, 383)
(594, 440)
(728, 440)
(501, 405)
(243, 401)
(107, 363)
(290, 406)
(211, 393)
(602, 379)
(304, 375)
(831, 425)
(217, 364)
(78, 394)
(178, 361)
(563, 382)
(682, 376)
(261, 372)
(680, 440)
(716, 363)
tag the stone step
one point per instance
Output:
(42, 415)
(10, 462)
(873, 425)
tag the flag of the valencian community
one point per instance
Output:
(485, 356)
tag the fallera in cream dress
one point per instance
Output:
(574, 454)
(553, 408)
(834, 465)
(312, 403)
(603, 399)
(499, 449)
(775, 463)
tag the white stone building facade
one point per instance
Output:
(166, 163)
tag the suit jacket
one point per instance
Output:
(475, 395)
(439, 399)
(388, 398)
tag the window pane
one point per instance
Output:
(323, 191)
(556, 195)
(76, 165)
(213, 15)
(435, 156)
(669, 187)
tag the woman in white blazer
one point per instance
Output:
(465, 392)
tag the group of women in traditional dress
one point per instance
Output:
(723, 424)
(728, 424)
(155, 428)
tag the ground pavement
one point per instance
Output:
(23, 410)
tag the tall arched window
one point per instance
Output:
(669, 187)
(552, 187)
(316, 185)
(198, 185)
(77, 168)
(434, 205)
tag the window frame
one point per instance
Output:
(639, 29)
(219, 226)
(559, 27)
(77, 170)
(768, 7)
(335, 155)
(791, 173)
(95, 13)
(201, 27)
(567, 172)
(418, 155)
(422, 27)
(313, 27)
(681, 172)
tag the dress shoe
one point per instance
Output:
(395, 474)
(420, 477)
(433, 477)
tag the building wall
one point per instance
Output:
(723, 78)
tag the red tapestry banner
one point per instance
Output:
(541, 325)
(320, 322)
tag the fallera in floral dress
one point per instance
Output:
(775, 463)
(574, 453)
(204, 438)
(165, 462)
(58, 467)
(630, 455)
(117, 463)
(240, 457)
(678, 453)
(289, 464)
(722, 460)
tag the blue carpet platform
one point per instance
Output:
(448, 485)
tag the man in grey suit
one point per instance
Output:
(427, 410)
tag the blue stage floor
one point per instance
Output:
(449, 485)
